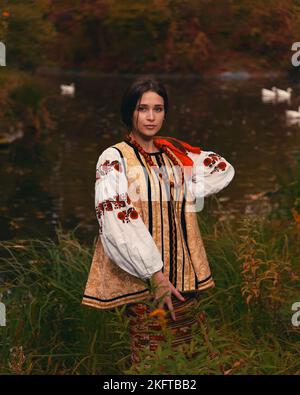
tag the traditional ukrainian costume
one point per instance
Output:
(149, 223)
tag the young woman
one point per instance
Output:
(148, 191)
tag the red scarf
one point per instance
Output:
(185, 160)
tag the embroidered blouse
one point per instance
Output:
(126, 239)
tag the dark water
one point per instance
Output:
(52, 182)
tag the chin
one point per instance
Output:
(149, 133)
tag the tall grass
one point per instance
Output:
(47, 327)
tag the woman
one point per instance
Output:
(148, 191)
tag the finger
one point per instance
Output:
(177, 294)
(171, 308)
(161, 305)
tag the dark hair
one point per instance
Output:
(134, 93)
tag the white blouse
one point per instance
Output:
(211, 173)
(131, 246)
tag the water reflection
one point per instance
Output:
(53, 182)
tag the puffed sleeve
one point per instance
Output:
(125, 237)
(210, 174)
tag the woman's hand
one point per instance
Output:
(163, 289)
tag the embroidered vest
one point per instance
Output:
(171, 221)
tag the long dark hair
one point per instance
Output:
(135, 92)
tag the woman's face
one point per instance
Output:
(149, 111)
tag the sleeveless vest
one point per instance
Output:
(172, 223)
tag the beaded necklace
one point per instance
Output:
(150, 162)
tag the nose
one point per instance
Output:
(150, 114)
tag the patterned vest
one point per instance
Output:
(173, 225)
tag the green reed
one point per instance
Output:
(42, 291)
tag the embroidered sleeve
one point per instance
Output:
(211, 173)
(125, 237)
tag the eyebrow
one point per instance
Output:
(155, 105)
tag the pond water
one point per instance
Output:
(52, 182)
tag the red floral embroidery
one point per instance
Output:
(99, 210)
(211, 161)
(125, 214)
(133, 214)
(222, 165)
(118, 202)
(207, 161)
(108, 166)
(122, 215)
(107, 205)
(117, 165)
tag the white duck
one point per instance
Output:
(267, 93)
(267, 99)
(283, 100)
(67, 89)
(293, 114)
(284, 94)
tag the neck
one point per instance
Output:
(147, 143)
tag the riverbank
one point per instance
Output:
(230, 66)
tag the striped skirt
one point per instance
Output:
(146, 333)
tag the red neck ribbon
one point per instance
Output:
(182, 156)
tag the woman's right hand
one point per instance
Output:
(163, 289)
